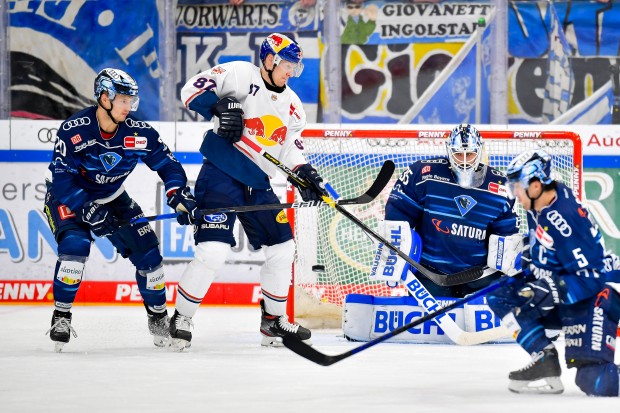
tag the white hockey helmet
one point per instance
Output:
(465, 150)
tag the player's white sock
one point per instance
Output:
(275, 276)
(198, 276)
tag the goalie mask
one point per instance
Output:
(117, 82)
(465, 149)
(530, 165)
(285, 51)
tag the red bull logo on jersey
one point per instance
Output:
(268, 130)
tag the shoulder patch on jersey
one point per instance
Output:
(217, 70)
(135, 142)
(437, 160)
(498, 189)
(426, 169)
(76, 139)
(464, 203)
(557, 220)
(110, 160)
(497, 173)
(543, 237)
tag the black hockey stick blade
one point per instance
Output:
(382, 179)
(310, 353)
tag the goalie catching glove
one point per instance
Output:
(182, 201)
(315, 188)
(230, 112)
(504, 253)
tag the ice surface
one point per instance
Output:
(112, 366)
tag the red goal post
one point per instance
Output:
(350, 159)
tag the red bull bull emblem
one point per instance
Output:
(268, 130)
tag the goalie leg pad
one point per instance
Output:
(275, 276)
(599, 379)
(387, 265)
(209, 257)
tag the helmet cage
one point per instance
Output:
(465, 150)
(117, 82)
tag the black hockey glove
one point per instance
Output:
(99, 217)
(183, 201)
(542, 296)
(230, 112)
(315, 189)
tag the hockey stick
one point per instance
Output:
(444, 280)
(382, 179)
(447, 324)
(296, 345)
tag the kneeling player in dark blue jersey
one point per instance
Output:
(96, 149)
(565, 283)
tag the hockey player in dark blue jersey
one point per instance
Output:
(95, 150)
(455, 207)
(565, 283)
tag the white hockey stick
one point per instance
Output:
(447, 324)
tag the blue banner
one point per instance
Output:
(58, 47)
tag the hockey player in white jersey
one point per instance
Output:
(253, 110)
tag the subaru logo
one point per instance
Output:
(216, 218)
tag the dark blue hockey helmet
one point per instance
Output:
(117, 82)
(283, 48)
(530, 165)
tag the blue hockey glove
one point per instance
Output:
(182, 201)
(230, 112)
(99, 217)
(315, 189)
(542, 296)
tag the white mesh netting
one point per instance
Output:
(326, 238)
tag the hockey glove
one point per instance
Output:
(542, 296)
(315, 188)
(230, 112)
(99, 217)
(182, 201)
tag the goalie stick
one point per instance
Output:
(444, 280)
(310, 353)
(447, 324)
(382, 179)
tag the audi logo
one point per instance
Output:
(387, 142)
(46, 135)
(137, 124)
(559, 223)
(75, 122)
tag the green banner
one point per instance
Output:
(603, 202)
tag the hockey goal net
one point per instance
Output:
(333, 255)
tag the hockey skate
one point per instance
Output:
(61, 330)
(180, 332)
(159, 327)
(273, 328)
(541, 375)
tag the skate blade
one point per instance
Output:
(177, 344)
(268, 341)
(547, 385)
(58, 346)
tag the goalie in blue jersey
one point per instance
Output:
(458, 213)
(567, 282)
(95, 150)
